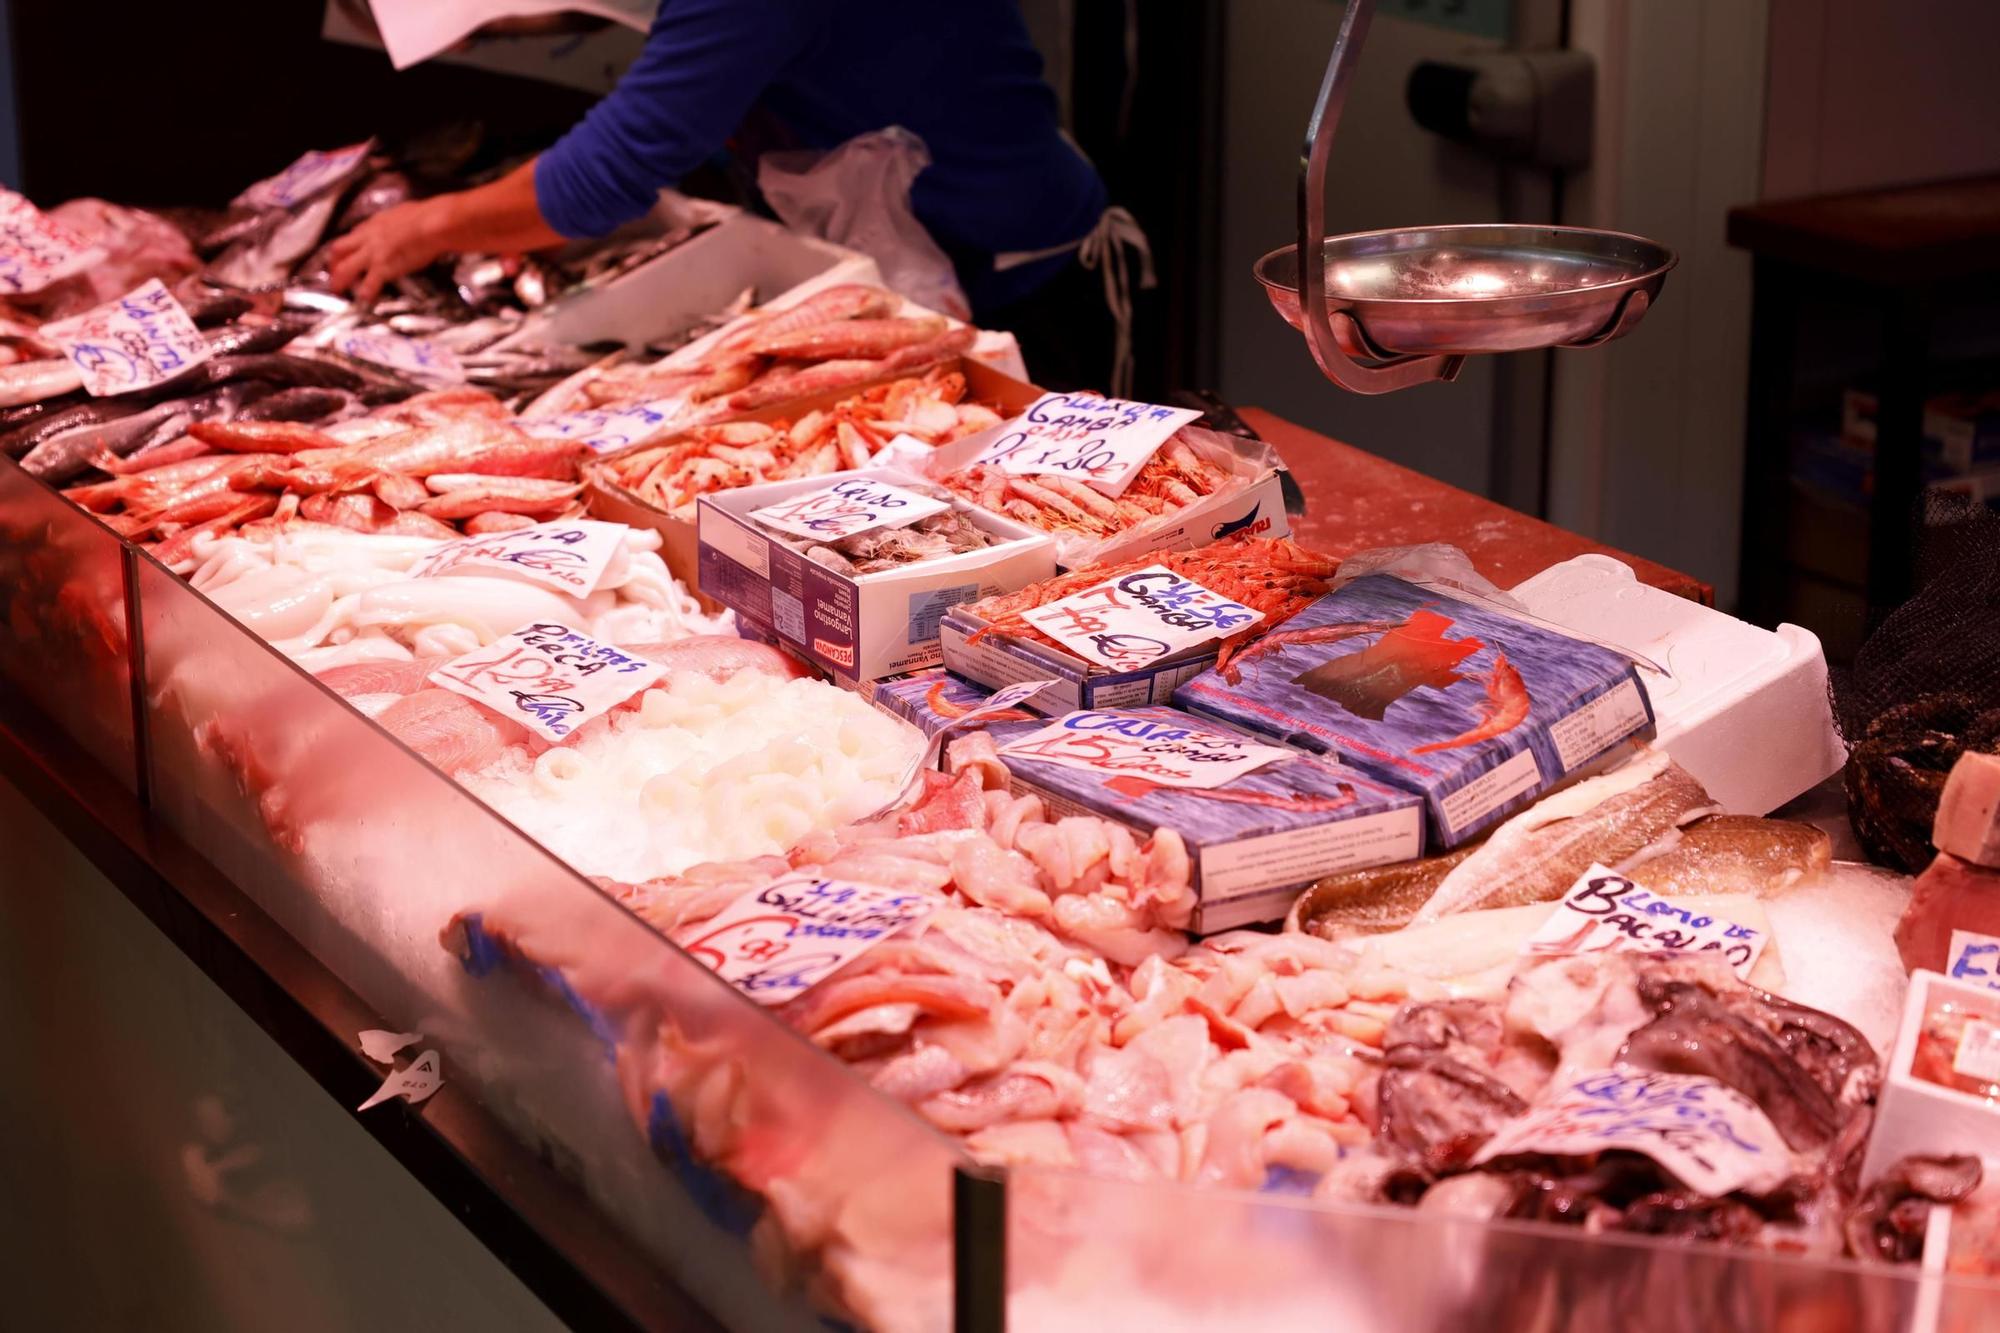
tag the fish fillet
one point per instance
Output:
(1731, 854)
(1535, 856)
(1371, 900)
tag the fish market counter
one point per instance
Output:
(640, 1144)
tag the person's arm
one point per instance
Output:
(501, 217)
(704, 65)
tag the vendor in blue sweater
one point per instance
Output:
(961, 74)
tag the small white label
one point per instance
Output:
(549, 678)
(569, 557)
(1974, 959)
(847, 507)
(417, 357)
(413, 1083)
(607, 428)
(781, 940)
(142, 339)
(1085, 436)
(1607, 913)
(1978, 1052)
(313, 172)
(1301, 855)
(749, 549)
(35, 249)
(1156, 751)
(1593, 728)
(1003, 699)
(1137, 618)
(906, 452)
(1708, 1134)
(383, 1047)
(1491, 790)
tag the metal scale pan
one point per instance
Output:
(1384, 310)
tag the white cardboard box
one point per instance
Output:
(1743, 709)
(859, 627)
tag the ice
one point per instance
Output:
(1836, 936)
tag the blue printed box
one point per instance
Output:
(1255, 842)
(1477, 712)
(996, 660)
(855, 626)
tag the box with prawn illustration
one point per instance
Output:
(855, 570)
(1477, 712)
(1261, 821)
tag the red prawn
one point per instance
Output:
(934, 698)
(1278, 640)
(1505, 708)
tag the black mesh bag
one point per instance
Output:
(1925, 687)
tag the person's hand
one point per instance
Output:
(395, 241)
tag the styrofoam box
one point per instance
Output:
(1743, 709)
(858, 625)
(1915, 1115)
(694, 280)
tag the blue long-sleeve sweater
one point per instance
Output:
(961, 74)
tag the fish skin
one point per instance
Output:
(865, 339)
(38, 381)
(26, 438)
(64, 456)
(303, 403)
(1731, 854)
(1372, 900)
(1538, 854)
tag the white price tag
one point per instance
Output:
(848, 506)
(383, 1047)
(1117, 744)
(417, 357)
(1974, 958)
(781, 940)
(142, 339)
(1606, 912)
(568, 556)
(549, 678)
(35, 249)
(1086, 436)
(1140, 617)
(313, 172)
(608, 428)
(1708, 1134)
(1007, 696)
(413, 1083)
(1978, 1055)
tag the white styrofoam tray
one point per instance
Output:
(1743, 709)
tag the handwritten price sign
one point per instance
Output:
(418, 358)
(1104, 441)
(35, 249)
(569, 557)
(1708, 1134)
(549, 678)
(856, 504)
(135, 342)
(605, 429)
(1141, 617)
(1974, 958)
(1125, 744)
(313, 172)
(782, 940)
(1605, 912)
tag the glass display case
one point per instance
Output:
(762, 1175)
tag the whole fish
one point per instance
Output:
(61, 457)
(243, 339)
(1538, 854)
(304, 402)
(211, 306)
(38, 381)
(23, 439)
(1372, 900)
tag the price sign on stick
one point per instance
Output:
(568, 556)
(311, 173)
(141, 339)
(35, 249)
(609, 428)
(1083, 436)
(1137, 618)
(847, 507)
(549, 678)
(1604, 911)
(781, 940)
(418, 358)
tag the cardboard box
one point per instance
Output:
(609, 500)
(1257, 510)
(866, 625)
(1478, 713)
(1003, 659)
(1255, 842)
(1961, 430)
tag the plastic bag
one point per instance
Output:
(1430, 565)
(858, 196)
